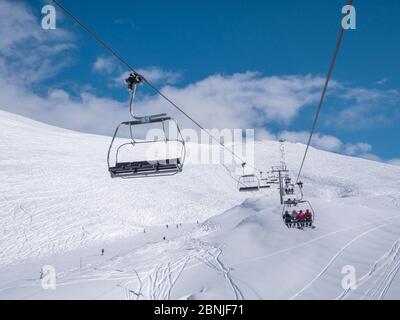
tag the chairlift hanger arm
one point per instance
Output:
(132, 81)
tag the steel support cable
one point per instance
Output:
(318, 111)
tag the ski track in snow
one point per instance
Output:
(380, 287)
(348, 244)
(211, 257)
(383, 270)
(312, 241)
(158, 283)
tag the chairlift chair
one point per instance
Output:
(264, 181)
(273, 180)
(249, 183)
(144, 168)
(299, 205)
(289, 189)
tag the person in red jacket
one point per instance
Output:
(302, 218)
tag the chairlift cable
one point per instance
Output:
(321, 101)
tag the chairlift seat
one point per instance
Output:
(146, 168)
(292, 202)
(148, 119)
(248, 189)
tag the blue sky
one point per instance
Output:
(241, 63)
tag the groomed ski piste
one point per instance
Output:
(59, 207)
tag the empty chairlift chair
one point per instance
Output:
(165, 166)
(272, 179)
(264, 181)
(249, 183)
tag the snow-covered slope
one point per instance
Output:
(59, 206)
(56, 193)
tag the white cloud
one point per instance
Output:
(367, 108)
(383, 81)
(264, 134)
(106, 65)
(361, 95)
(17, 24)
(395, 162)
(332, 143)
(157, 75)
(242, 100)
(357, 148)
(58, 94)
(26, 50)
(369, 156)
(320, 141)
(86, 113)
(154, 75)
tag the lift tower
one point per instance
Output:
(280, 170)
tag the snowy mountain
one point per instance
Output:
(59, 207)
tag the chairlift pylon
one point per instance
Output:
(167, 166)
